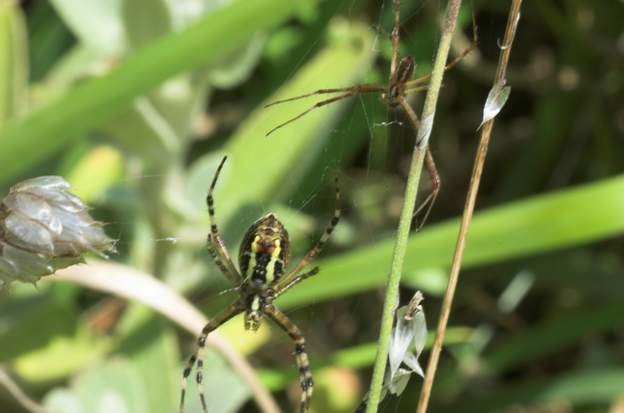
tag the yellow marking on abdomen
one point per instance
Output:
(270, 269)
(252, 264)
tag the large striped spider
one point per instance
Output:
(394, 95)
(264, 255)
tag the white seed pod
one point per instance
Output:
(43, 228)
(496, 99)
(410, 329)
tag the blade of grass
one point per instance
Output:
(48, 129)
(13, 61)
(535, 225)
(594, 386)
(548, 338)
(553, 335)
(290, 152)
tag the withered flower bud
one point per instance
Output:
(43, 228)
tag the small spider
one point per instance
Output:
(392, 95)
(263, 257)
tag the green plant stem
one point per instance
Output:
(471, 197)
(407, 212)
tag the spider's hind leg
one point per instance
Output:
(301, 357)
(436, 182)
(197, 357)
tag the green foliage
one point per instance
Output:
(134, 102)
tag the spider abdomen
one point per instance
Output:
(263, 268)
(264, 252)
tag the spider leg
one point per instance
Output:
(429, 164)
(301, 357)
(295, 281)
(418, 82)
(234, 309)
(415, 88)
(316, 92)
(412, 117)
(349, 92)
(435, 188)
(214, 238)
(395, 38)
(285, 280)
(233, 278)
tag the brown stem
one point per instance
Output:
(18, 394)
(512, 23)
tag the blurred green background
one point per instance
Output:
(135, 101)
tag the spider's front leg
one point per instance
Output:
(301, 357)
(197, 357)
(432, 170)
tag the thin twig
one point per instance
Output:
(512, 23)
(135, 285)
(18, 394)
(411, 190)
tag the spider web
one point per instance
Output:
(356, 110)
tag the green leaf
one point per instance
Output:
(239, 66)
(287, 153)
(113, 387)
(551, 336)
(225, 391)
(145, 20)
(96, 172)
(38, 330)
(98, 24)
(544, 339)
(142, 131)
(596, 386)
(535, 225)
(88, 105)
(152, 349)
(13, 62)
(62, 355)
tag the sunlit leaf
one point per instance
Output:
(96, 23)
(13, 62)
(115, 386)
(145, 20)
(534, 225)
(95, 101)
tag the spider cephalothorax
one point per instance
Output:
(263, 260)
(397, 87)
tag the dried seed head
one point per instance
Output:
(410, 329)
(43, 228)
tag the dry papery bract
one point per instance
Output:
(44, 227)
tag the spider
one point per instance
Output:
(392, 95)
(263, 257)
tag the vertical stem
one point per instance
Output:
(11, 387)
(512, 22)
(411, 190)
